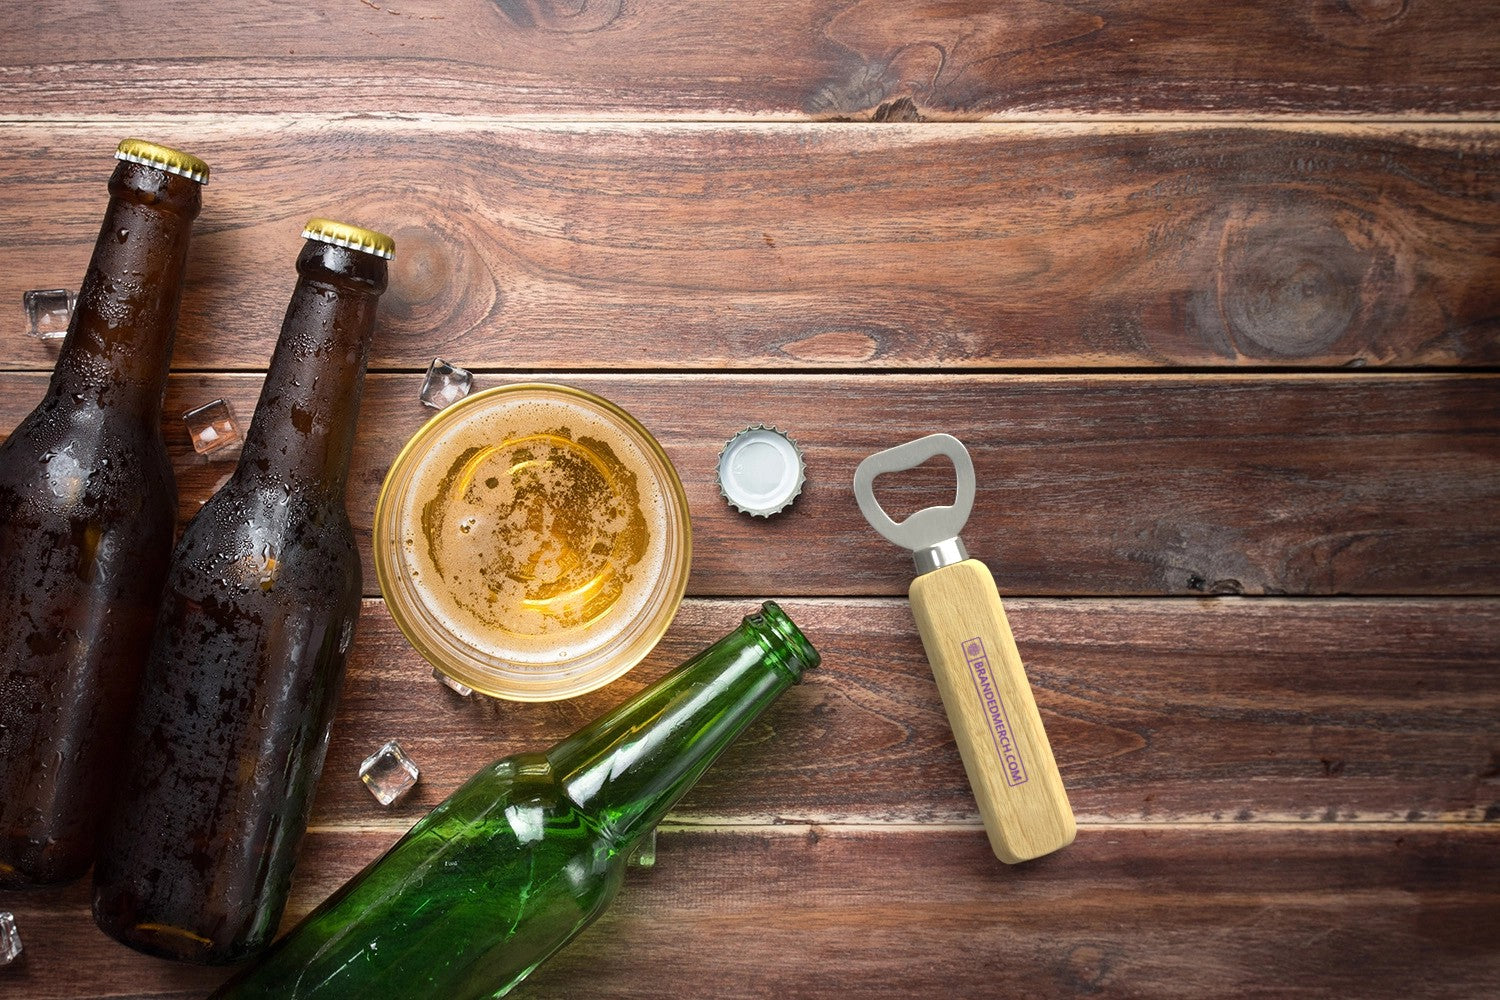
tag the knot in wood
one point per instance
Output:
(1375, 11)
(1290, 283)
(574, 18)
(438, 282)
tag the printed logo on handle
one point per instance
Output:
(994, 710)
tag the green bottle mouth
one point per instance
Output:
(785, 638)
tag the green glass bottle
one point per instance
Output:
(532, 848)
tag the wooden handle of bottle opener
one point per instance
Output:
(995, 719)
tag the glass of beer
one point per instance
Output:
(532, 541)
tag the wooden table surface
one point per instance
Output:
(1212, 292)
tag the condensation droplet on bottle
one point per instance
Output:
(122, 235)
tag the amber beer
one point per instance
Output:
(88, 506)
(537, 534)
(248, 652)
(533, 541)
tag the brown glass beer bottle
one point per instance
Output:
(88, 506)
(248, 652)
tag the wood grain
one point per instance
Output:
(1088, 485)
(1258, 911)
(816, 246)
(857, 219)
(609, 58)
(1202, 711)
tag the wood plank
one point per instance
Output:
(817, 246)
(608, 58)
(1088, 485)
(1183, 912)
(1184, 711)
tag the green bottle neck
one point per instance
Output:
(630, 767)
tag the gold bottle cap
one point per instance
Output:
(344, 235)
(173, 161)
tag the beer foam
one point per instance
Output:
(534, 529)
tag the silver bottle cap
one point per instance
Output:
(761, 471)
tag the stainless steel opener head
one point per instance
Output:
(931, 533)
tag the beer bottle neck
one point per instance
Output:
(119, 342)
(303, 430)
(629, 768)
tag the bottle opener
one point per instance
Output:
(974, 658)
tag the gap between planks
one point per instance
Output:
(1010, 371)
(802, 828)
(1052, 125)
(935, 119)
(1244, 376)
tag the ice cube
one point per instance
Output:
(445, 384)
(447, 681)
(10, 939)
(48, 312)
(211, 427)
(388, 773)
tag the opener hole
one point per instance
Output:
(934, 483)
